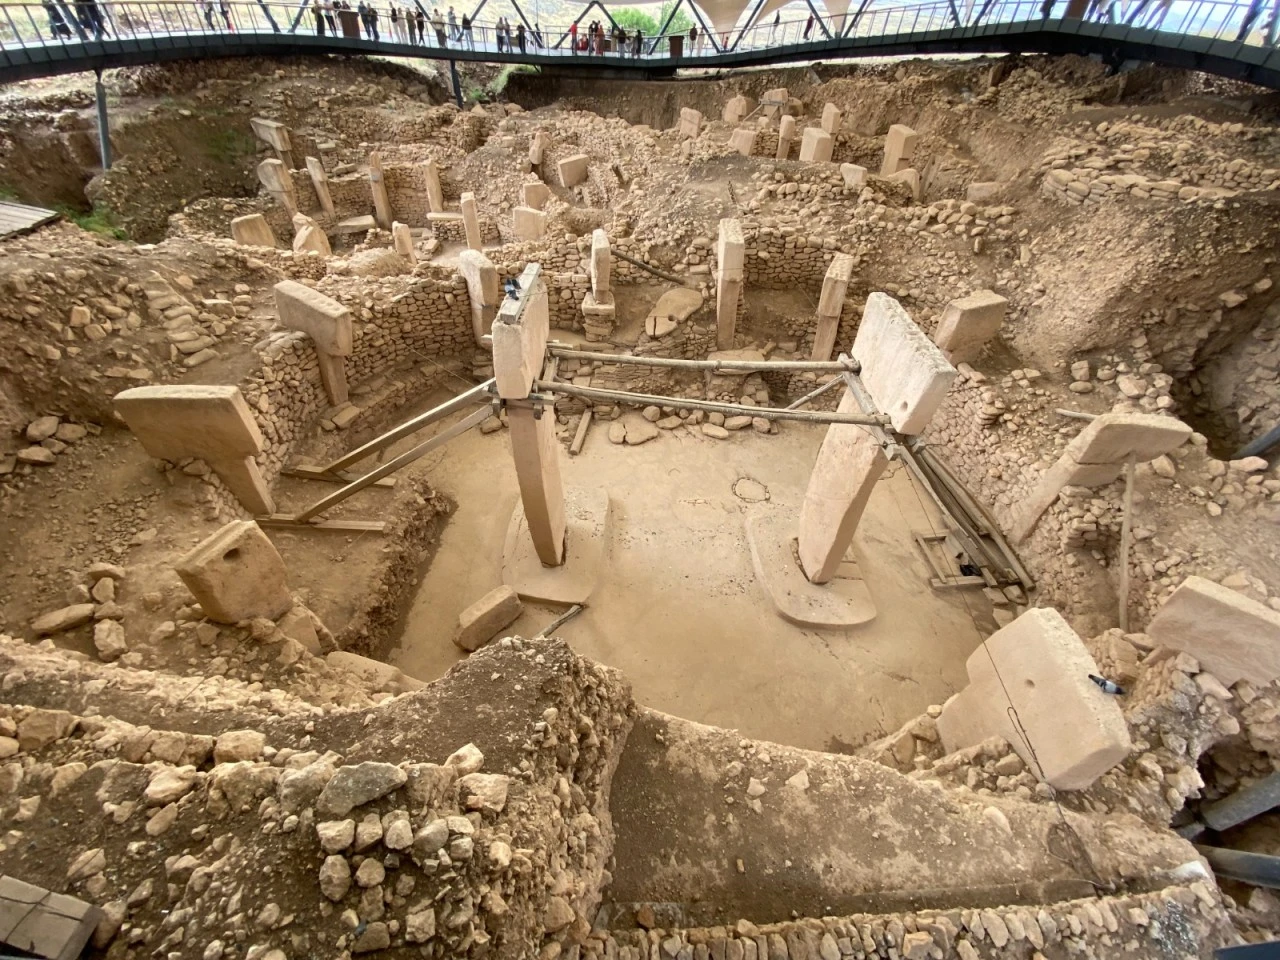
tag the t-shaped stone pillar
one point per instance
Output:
(275, 177)
(598, 309)
(327, 323)
(903, 370)
(378, 186)
(730, 257)
(483, 289)
(1029, 683)
(213, 423)
(471, 220)
(849, 463)
(830, 304)
(519, 347)
(786, 136)
(320, 183)
(403, 241)
(275, 135)
(528, 223)
(435, 196)
(968, 323)
(899, 148)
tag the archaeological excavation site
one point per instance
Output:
(815, 512)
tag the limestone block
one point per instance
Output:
(237, 574)
(378, 187)
(905, 373)
(538, 147)
(743, 141)
(573, 170)
(690, 123)
(435, 196)
(730, 254)
(495, 611)
(520, 336)
(968, 323)
(831, 118)
(1041, 667)
(273, 175)
(816, 145)
(173, 421)
(320, 183)
(483, 289)
(529, 223)
(323, 319)
(786, 135)
(471, 220)
(899, 148)
(600, 267)
(382, 677)
(849, 463)
(534, 193)
(252, 230)
(911, 177)
(402, 238)
(1113, 437)
(737, 108)
(1233, 636)
(308, 237)
(854, 175)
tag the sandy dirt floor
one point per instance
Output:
(677, 607)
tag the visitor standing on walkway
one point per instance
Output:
(421, 19)
(693, 40)
(57, 25)
(808, 26)
(373, 21)
(520, 36)
(466, 32)
(573, 37)
(638, 43)
(497, 34)
(454, 33)
(437, 24)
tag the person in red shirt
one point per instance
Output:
(573, 38)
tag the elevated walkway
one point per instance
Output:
(1204, 39)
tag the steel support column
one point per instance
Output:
(457, 83)
(104, 127)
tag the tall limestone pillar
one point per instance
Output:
(730, 257)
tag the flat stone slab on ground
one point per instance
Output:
(45, 924)
(586, 536)
(842, 602)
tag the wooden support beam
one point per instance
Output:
(341, 526)
(580, 437)
(391, 466)
(305, 472)
(477, 394)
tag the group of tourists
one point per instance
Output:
(86, 15)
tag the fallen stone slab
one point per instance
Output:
(1234, 637)
(495, 611)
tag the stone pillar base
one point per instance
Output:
(598, 316)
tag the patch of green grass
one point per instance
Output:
(7, 193)
(499, 83)
(98, 220)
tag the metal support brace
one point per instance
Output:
(275, 27)
(853, 23)
(104, 125)
(750, 23)
(818, 17)
(302, 8)
(457, 82)
(707, 31)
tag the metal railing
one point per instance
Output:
(396, 26)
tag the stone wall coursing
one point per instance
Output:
(1136, 925)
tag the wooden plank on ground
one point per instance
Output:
(18, 218)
